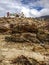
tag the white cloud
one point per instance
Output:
(35, 12)
(25, 11)
(44, 11)
(17, 6)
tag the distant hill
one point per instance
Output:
(47, 16)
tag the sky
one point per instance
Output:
(30, 8)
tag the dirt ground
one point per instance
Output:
(34, 52)
(10, 51)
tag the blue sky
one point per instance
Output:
(30, 8)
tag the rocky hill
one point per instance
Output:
(24, 41)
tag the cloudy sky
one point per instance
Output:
(30, 8)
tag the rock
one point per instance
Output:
(42, 36)
(24, 37)
(31, 37)
(24, 27)
(15, 38)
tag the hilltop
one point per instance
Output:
(24, 41)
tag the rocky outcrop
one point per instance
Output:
(23, 37)
(25, 41)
